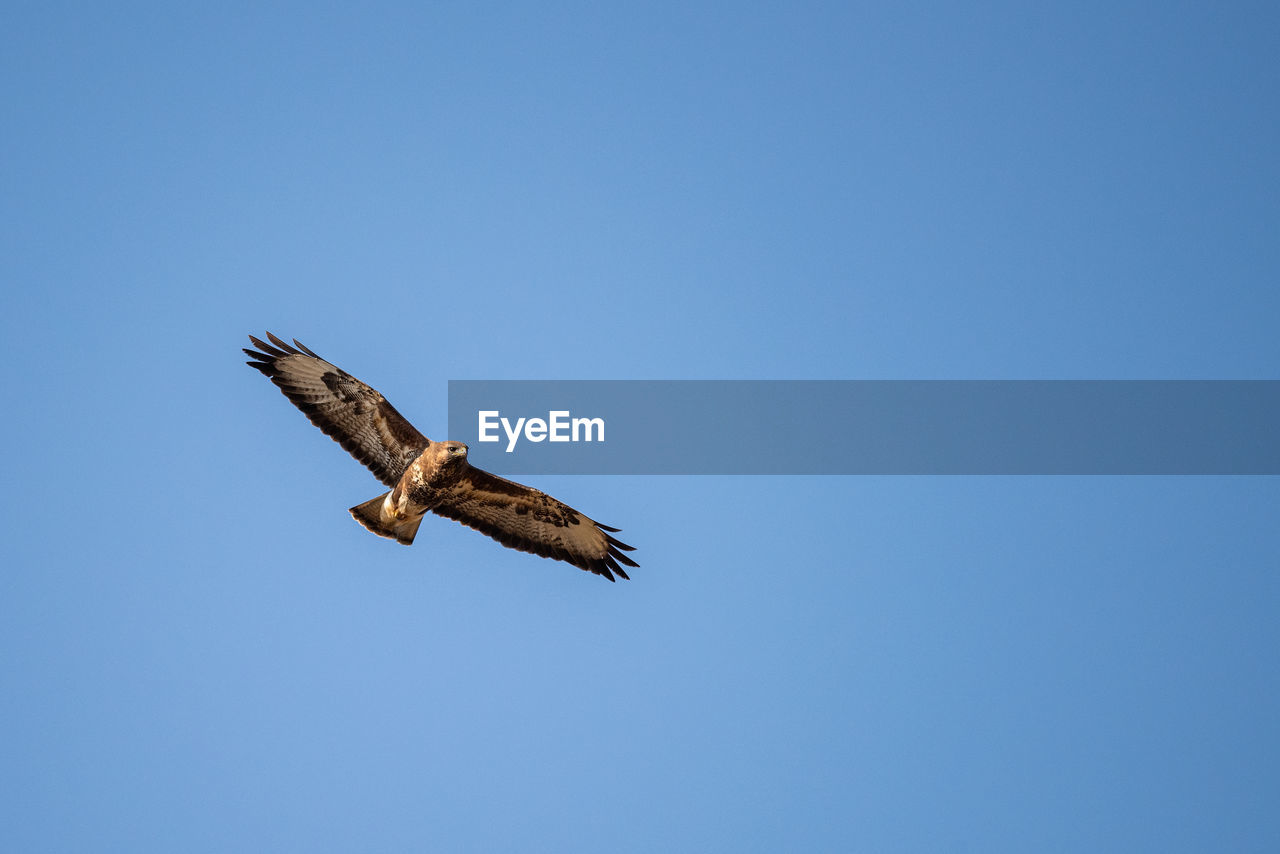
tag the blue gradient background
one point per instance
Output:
(202, 652)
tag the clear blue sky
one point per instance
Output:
(202, 652)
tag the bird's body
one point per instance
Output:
(426, 476)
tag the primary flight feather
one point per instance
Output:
(430, 476)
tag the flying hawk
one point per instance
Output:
(426, 475)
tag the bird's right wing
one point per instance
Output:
(355, 415)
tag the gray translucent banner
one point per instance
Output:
(868, 427)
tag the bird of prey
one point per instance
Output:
(431, 476)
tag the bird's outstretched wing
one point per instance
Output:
(520, 517)
(355, 415)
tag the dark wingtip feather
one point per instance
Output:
(616, 549)
(286, 347)
(618, 556)
(267, 348)
(619, 570)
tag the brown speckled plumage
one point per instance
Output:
(431, 476)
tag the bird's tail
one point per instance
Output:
(369, 514)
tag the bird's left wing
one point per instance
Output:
(520, 517)
(355, 415)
